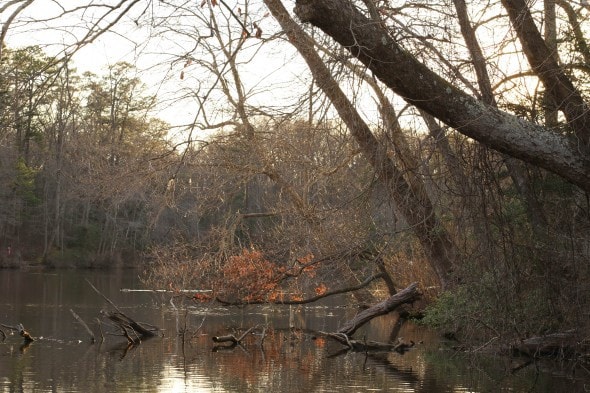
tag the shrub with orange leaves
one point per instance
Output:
(202, 297)
(321, 289)
(296, 298)
(250, 277)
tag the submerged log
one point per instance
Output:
(132, 330)
(408, 295)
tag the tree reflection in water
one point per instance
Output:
(291, 358)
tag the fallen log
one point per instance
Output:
(343, 335)
(400, 346)
(408, 295)
(562, 344)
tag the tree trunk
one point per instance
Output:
(404, 74)
(410, 200)
(544, 62)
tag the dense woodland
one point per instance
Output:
(432, 142)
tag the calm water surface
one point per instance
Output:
(288, 360)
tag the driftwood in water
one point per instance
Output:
(21, 331)
(231, 338)
(134, 331)
(408, 295)
(343, 335)
(24, 334)
(400, 346)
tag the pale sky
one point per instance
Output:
(270, 71)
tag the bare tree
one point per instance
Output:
(396, 67)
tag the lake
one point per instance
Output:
(288, 358)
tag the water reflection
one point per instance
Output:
(288, 358)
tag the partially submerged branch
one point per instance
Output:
(343, 335)
(400, 346)
(408, 295)
(84, 325)
(21, 331)
(231, 338)
(24, 334)
(134, 331)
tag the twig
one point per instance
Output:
(104, 297)
(485, 345)
(247, 332)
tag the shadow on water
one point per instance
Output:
(287, 358)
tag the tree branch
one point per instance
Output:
(419, 85)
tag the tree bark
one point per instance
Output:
(407, 295)
(404, 74)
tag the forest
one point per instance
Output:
(346, 146)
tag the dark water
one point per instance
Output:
(289, 360)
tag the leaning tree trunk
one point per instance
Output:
(411, 201)
(372, 44)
